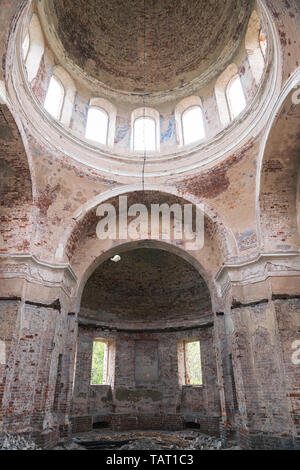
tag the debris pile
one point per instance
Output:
(16, 442)
(150, 440)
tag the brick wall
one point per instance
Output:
(147, 397)
(36, 393)
(267, 384)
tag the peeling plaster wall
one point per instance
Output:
(262, 356)
(251, 196)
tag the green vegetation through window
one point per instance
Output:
(98, 363)
(193, 363)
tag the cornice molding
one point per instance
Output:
(258, 269)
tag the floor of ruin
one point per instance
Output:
(106, 439)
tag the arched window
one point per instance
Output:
(144, 137)
(235, 96)
(25, 46)
(55, 98)
(263, 43)
(220, 93)
(101, 121)
(256, 55)
(190, 121)
(145, 133)
(193, 125)
(97, 125)
(63, 109)
(36, 48)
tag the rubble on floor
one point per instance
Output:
(16, 442)
(147, 440)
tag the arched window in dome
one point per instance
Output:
(193, 125)
(55, 98)
(235, 96)
(145, 130)
(97, 125)
(190, 121)
(25, 46)
(144, 134)
(256, 47)
(263, 43)
(59, 101)
(101, 122)
(220, 93)
(36, 48)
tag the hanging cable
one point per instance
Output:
(144, 103)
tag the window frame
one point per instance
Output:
(229, 105)
(140, 118)
(256, 57)
(183, 367)
(151, 113)
(264, 52)
(26, 52)
(191, 107)
(36, 48)
(58, 80)
(105, 361)
(186, 363)
(181, 107)
(220, 94)
(111, 111)
(107, 126)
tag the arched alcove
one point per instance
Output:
(151, 310)
(146, 272)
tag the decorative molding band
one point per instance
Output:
(55, 305)
(27, 267)
(88, 324)
(258, 269)
(28, 257)
(285, 296)
(270, 256)
(236, 304)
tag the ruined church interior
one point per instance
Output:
(114, 334)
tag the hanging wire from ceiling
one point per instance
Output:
(144, 99)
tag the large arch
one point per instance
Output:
(81, 247)
(278, 174)
(82, 216)
(16, 192)
(146, 323)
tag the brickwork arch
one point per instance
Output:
(278, 174)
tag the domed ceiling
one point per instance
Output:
(146, 286)
(182, 38)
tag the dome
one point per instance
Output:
(178, 40)
(131, 64)
(148, 287)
